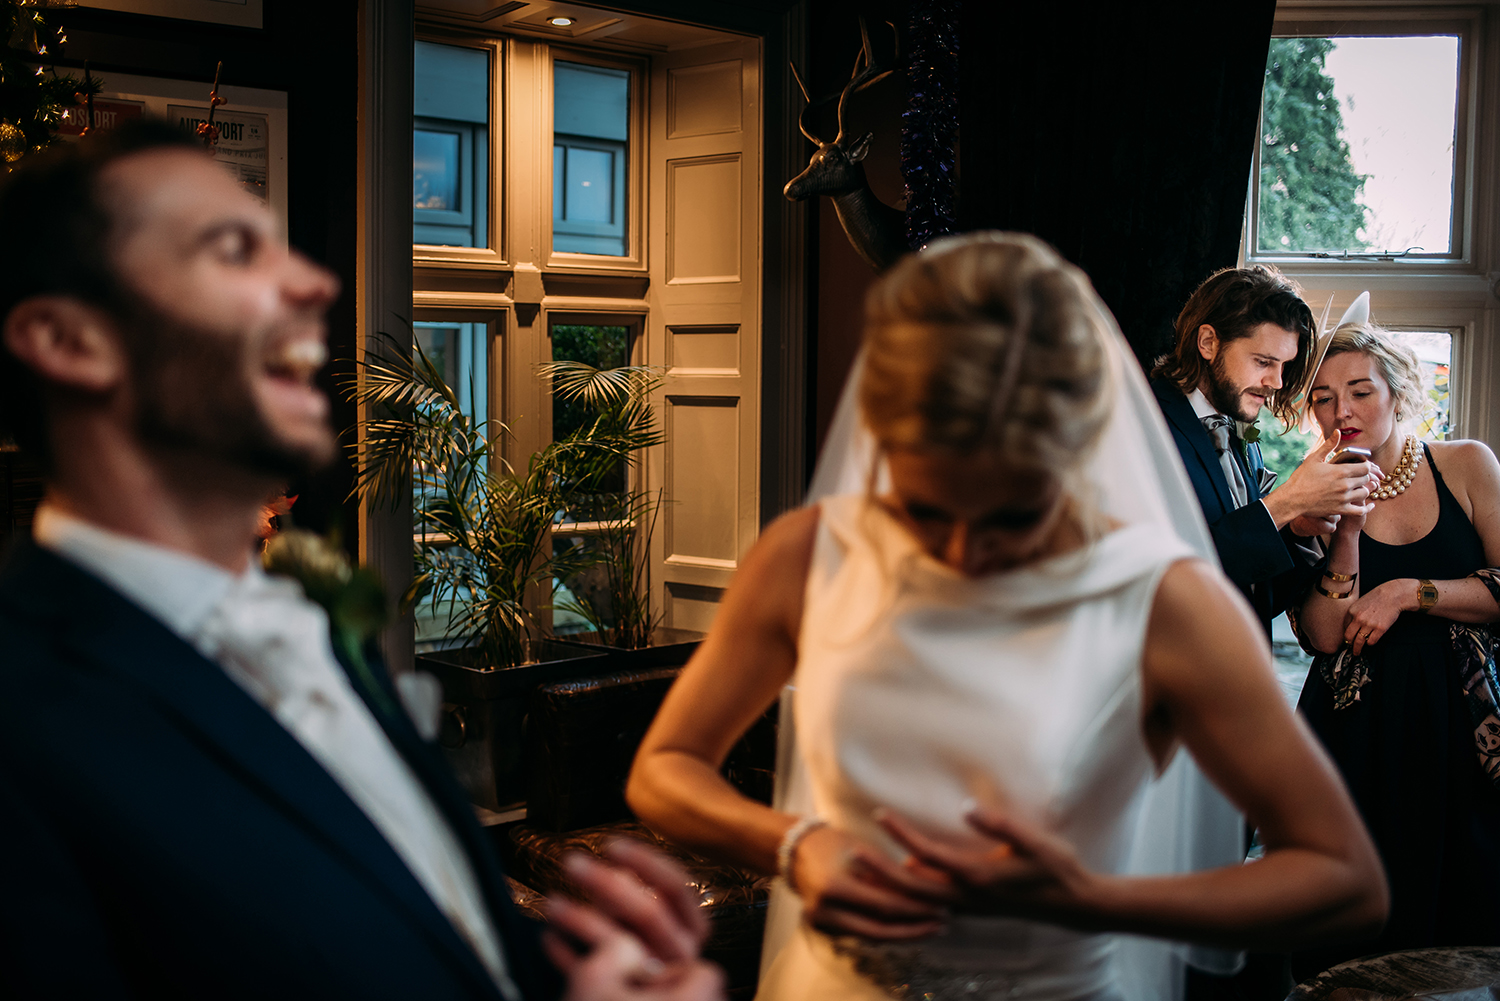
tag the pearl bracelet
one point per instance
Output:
(786, 851)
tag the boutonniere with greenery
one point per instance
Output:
(353, 596)
(1250, 433)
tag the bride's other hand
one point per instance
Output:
(851, 888)
(1024, 871)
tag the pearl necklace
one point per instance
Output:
(1405, 472)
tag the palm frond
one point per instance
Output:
(600, 387)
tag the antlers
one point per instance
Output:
(866, 73)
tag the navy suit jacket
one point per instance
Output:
(162, 836)
(1250, 548)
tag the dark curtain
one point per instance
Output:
(1121, 134)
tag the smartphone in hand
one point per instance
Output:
(1350, 453)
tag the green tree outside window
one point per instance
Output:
(1309, 190)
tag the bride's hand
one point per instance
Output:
(1024, 871)
(851, 888)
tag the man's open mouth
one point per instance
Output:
(297, 360)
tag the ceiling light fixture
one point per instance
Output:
(561, 22)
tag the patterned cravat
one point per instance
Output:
(1219, 429)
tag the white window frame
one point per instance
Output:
(1459, 292)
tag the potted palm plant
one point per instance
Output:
(609, 589)
(482, 546)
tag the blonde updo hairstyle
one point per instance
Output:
(989, 342)
(1397, 364)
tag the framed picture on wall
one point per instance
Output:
(252, 124)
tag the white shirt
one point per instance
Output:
(1201, 407)
(274, 643)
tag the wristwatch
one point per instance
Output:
(1427, 595)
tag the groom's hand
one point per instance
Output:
(645, 893)
(639, 936)
(1309, 527)
(1321, 489)
(601, 961)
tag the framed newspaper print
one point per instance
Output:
(252, 125)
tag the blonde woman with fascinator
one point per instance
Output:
(997, 638)
(1399, 693)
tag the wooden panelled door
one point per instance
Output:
(704, 328)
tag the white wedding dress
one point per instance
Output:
(921, 690)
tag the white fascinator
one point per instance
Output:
(1358, 314)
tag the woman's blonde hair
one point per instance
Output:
(986, 342)
(1398, 365)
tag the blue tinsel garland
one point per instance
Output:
(929, 125)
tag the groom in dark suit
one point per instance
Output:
(1243, 344)
(197, 799)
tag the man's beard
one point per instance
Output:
(193, 396)
(1226, 397)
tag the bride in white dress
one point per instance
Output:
(996, 641)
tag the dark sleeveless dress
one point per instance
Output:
(1406, 750)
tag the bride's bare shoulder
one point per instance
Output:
(783, 553)
(1195, 596)
(792, 535)
(1203, 640)
(768, 586)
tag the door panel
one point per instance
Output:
(702, 473)
(703, 220)
(704, 100)
(704, 325)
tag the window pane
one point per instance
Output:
(591, 121)
(583, 591)
(450, 145)
(435, 170)
(1434, 351)
(590, 101)
(589, 195)
(1357, 145)
(451, 81)
(597, 529)
(1283, 451)
(459, 351)
(601, 347)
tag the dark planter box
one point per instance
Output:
(583, 732)
(484, 714)
(669, 647)
(581, 740)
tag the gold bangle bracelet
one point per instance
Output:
(1340, 578)
(1330, 594)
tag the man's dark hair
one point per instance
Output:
(57, 228)
(1234, 302)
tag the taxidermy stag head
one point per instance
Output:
(877, 231)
